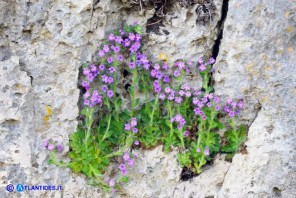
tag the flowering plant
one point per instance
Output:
(161, 109)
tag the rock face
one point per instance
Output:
(43, 43)
(257, 59)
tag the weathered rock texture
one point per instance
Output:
(44, 42)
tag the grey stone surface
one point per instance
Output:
(43, 43)
(257, 60)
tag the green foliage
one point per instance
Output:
(235, 138)
(106, 132)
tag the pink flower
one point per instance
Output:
(51, 147)
(126, 157)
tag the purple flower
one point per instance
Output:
(86, 95)
(153, 72)
(171, 96)
(104, 88)
(86, 102)
(188, 94)
(226, 109)
(110, 80)
(229, 101)
(132, 65)
(200, 61)
(123, 171)
(217, 100)
(110, 93)
(120, 58)
(198, 150)
(122, 32)
(209, 104)
(111, 183)
(122, 166)
(178, 100)
(60, 148)
(231, 113)
(217, 108)
(204, 117)
(137, 143)
(186, 133)
(131, 163)
(207, 151)
(86, 71)
(167, 90)
(101, 53)
(131, 36)
(138, 37)
(111, 69)
(126, 157)
(116, 49)
(127, 127)
(181, 92)
(166, 79)
(102, 67)
(118, 39)
(240, 104)
(135, 130)
(211, 60)
(50, 147)
(106, 48)
(126, 42)
(134, 122)
(202, 67)
(84, 84)
(110, 59)
(156, 66)
(186, 87)
(165, 66)
(135, 47)
(176, 73)
(90, 78)
(197, 93)
(197, 111)
(96, 98)
(146, 66)
(157, 89)
(93, 68)
(162, 96)
(159, 75)
(45, 143)
(195, 101)
(233, 104)
(111, 37)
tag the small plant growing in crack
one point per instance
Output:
(162, 109)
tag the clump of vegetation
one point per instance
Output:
(162, 109)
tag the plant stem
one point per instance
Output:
(133, 91)
(153, 109)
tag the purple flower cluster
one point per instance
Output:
(233, 106)
(131, 126)
(111, 183)
(178, 96)
(127, 161)
(204, 65)
(206, 151)
(180, 67)
(206, 100)
(158, 72)
(51, 146)
(130, 42)
(179, 120)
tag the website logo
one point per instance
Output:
(9, 187)
(20, 188)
